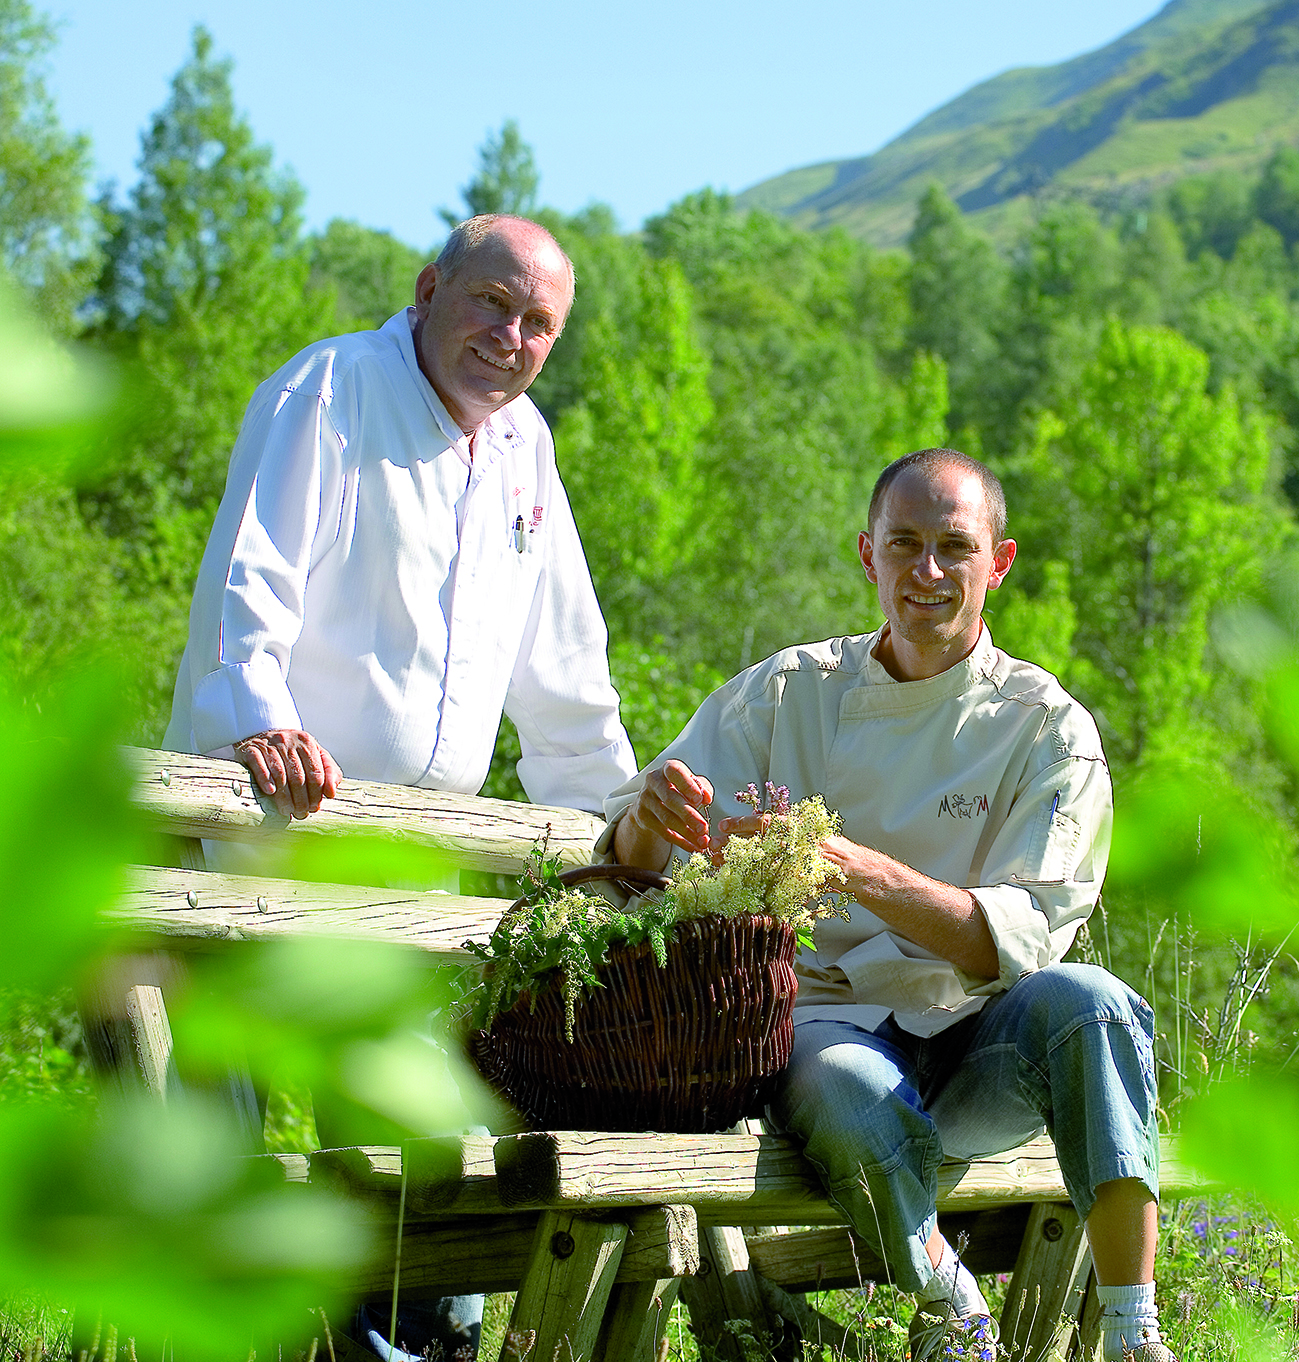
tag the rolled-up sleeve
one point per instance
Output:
(1044, 871)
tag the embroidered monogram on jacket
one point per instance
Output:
(957, 806)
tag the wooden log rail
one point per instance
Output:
(188, 796)
(197, 908)
(596, 1232)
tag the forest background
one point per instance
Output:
(724, 395)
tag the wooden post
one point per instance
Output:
(726, 1290)
(566, 1286)
(1045, 1294)
(636, 1320)
(1089, 1324)
(125, 1021)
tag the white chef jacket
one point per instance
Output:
(369, 582)
(989, 776)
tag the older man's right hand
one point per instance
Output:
(291, 767)
(667, 813)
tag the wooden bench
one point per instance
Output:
(596, 1232)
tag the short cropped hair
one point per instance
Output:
(993, 496)
(467, 236)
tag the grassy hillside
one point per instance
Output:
(1205, 84)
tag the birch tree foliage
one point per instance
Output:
(46, 230)
(1153, 493)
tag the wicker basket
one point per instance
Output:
(691, 1047)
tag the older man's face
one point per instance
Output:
(485, 332)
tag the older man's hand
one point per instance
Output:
(291, 767)
(667, 813)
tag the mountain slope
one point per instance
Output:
(1201, 85)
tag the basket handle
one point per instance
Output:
(631, 877)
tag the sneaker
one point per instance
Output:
(939, 1334)
(1151, 1352)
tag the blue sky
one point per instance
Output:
(380, 109)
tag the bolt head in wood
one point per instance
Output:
(165, 776)
(1052, 1230)
(192, 898)
(263, 906)
(236, 787)
(562, 1244)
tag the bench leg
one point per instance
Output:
(636, 1320)
(125, 1022)
(566, 1286)
(727, 1289)
(1089, 1324)
(1042, 1305)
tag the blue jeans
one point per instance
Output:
(1069, 1048)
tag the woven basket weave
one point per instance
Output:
(691, 1047)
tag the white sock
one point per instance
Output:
(953, 1282)
(1128, 1319)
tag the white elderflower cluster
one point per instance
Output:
(560, 936)
(779, 871)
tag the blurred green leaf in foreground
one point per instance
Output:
(1195, 846)
(141, 1215)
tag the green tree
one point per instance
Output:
(204, 293)
(628, 447)
(1276, 196)
(46, 231)
(371, 272)
(1153, 492)
(814, 390)
(507, 177)
(1065, 280)
(1212, 212)
(958, 291)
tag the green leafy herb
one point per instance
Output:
(560, 937)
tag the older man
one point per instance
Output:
(976, 812)
(393, 564)
(394, 561)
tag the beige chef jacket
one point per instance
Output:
(989, 776)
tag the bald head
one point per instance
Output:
(470, 234)
(488, 310)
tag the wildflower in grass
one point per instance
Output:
(970, 1340)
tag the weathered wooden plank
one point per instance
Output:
(463, 1257)
(296, 1166)
(752, 1179)
(445, 1174)
(1045, 1294)
(836, 1259)
(591, 1168)
(192, 796)
(566, 1286)
(662, 1241)
(490, 1253)
(1088, 1341)
(203, 907)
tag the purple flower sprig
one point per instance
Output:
(775, 800)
